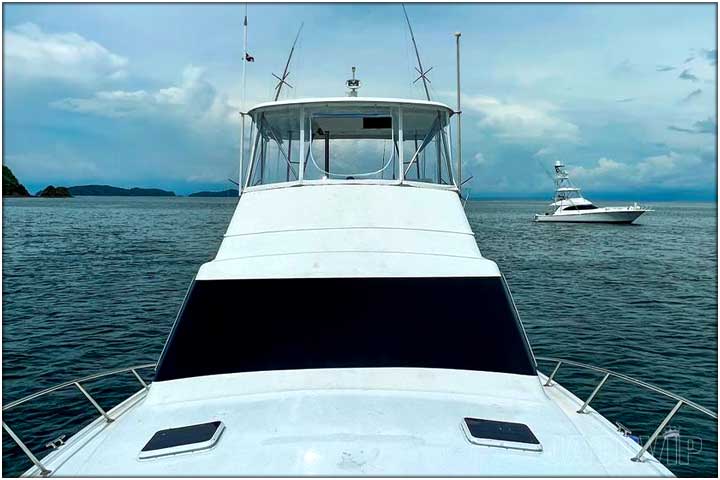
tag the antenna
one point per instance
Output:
(245, 55)
(423, 73)
(282, 81)
(353, 84)
(242, 104)
(459, 112)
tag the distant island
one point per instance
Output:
(13, 188)
(232, 192)
(11, 185)
(107, 190)
(54, 192)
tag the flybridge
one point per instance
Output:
(351, 139)
(369, 140)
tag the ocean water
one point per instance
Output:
(95, 283)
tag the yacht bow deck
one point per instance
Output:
(389, 421)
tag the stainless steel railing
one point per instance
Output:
(549, 383)
(609, 373)
(78, 384)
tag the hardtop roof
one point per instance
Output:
(355, 101)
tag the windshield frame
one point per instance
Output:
(399, 162)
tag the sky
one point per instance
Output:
(147, 94)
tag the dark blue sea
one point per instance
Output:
(94, 283)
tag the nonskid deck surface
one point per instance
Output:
(388, 421)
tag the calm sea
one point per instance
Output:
(95, 283)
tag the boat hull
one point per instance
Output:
(604, 216)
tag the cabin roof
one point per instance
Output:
(355, 101)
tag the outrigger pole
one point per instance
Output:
(285, 74)
(420, 70)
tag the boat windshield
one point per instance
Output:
(581, 207)
(228, 326)
(349, 142)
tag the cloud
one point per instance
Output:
(689, 59)
(515, 121)
(624, 67)
(544, 152)
(686, 75)
(680, 129)
(479, 160)
(604, 167)
(664, 68)
(665, 166)
(669, 170)
(32, 53)
(706, 126)
(194, 99)
(710, 55)
(701, 126)
(71, 167)
(625, 100)
(184, 134)
(691, 95)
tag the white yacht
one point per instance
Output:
(570, 206)
(325, 336)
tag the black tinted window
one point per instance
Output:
(252, 325)
(580, 207)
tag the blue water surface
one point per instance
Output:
(94, 283)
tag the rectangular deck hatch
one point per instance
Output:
(493, 433)
(191, 438)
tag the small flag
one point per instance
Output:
(249, 58)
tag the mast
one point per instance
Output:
(278, 87)
(242, 104)
(245, 53)
(459, 125)
(417, 55)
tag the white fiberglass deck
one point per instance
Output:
(348, 230)
(389, 421)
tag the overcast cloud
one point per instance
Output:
(623, 94)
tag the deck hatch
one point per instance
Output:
(191, 438)
(493, 433)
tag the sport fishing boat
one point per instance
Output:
(324, 337)
(570, 206)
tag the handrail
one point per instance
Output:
(78, 380)
(77, 383)
(609, 373)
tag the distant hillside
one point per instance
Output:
(11, 186)
(107, 190)
(54, 192)
(225, 193)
